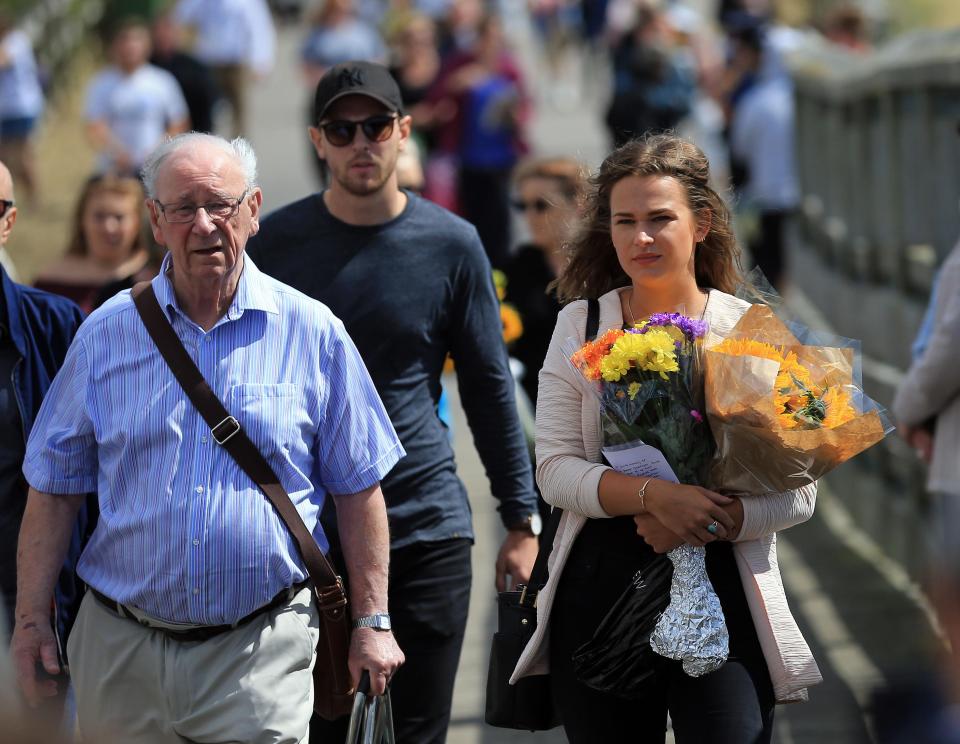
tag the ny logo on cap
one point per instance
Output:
(351, 77)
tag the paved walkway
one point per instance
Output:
(863, 618)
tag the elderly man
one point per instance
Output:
(198, 625)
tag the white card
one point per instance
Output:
(641, 460)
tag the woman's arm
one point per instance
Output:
(567, 479)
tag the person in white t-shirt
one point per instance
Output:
(235, 38)
(131, 105)
(21, 104)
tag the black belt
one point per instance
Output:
(203, 632)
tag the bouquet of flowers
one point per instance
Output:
(783, 413)
(650, 387)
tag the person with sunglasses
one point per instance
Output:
(412, 284)
(547, 192)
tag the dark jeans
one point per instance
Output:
(485, 202)
(429, 599)
(733, 705)
(768, 246)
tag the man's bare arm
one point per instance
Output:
(44, 538)
(365, 538)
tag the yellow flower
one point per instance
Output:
(500, 282)
(632, 389)
(512, 325)
(653, 351)
(840, 410)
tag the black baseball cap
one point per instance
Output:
(356, 79)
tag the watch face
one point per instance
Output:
(536, 524)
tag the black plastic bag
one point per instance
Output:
(618, 659)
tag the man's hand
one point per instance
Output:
(655, 534)
(920, 438)
(376, 651)
(516, 558)
(34, 644)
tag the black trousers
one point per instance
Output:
(733, 705)
(485, 202)
(768, 247)
(429, 598)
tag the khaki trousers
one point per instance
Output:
(137, 685)
(232, 81)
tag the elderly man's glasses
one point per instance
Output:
(340, 133)
(180, 213)
(5, 205)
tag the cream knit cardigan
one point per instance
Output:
(568, 453)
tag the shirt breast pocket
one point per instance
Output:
(268, 413)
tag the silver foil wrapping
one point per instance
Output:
(692, 630)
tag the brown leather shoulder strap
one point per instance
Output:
(227, 432)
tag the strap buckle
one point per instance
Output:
(234, 429)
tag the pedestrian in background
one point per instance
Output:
(21, 104)
(188, 548)
(411, 283)
(483, 92)
(108, 243)
(131, 105)
(237, 40)
(547, 193)
(927, 403)
(762, 145)
(36, 329)
(195, 80)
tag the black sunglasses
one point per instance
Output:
(537, 205)
(340, 133)
(5, 204)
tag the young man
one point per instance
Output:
(412, 284)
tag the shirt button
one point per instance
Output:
(203, 439)
(196, 590)
(199, 489)
(196, 542)
(206, 339)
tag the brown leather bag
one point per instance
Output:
(332, 686)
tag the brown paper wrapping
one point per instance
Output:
(755, 454)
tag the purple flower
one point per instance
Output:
(692, 329)
(697, 415)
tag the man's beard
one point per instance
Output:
(367, 186)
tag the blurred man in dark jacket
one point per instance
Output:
(35, 330)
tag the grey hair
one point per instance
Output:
(239, 149)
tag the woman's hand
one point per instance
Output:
(655, 534)
(687, 511)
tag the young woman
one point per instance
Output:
(109, 244)
(656, 238)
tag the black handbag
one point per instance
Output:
(527, 705)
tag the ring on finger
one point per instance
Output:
(713, 527)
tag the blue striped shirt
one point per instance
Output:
(184, 534)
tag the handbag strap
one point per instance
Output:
(227, 433)
(539, 574)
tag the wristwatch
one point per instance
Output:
(531, 523)
(380, 621)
